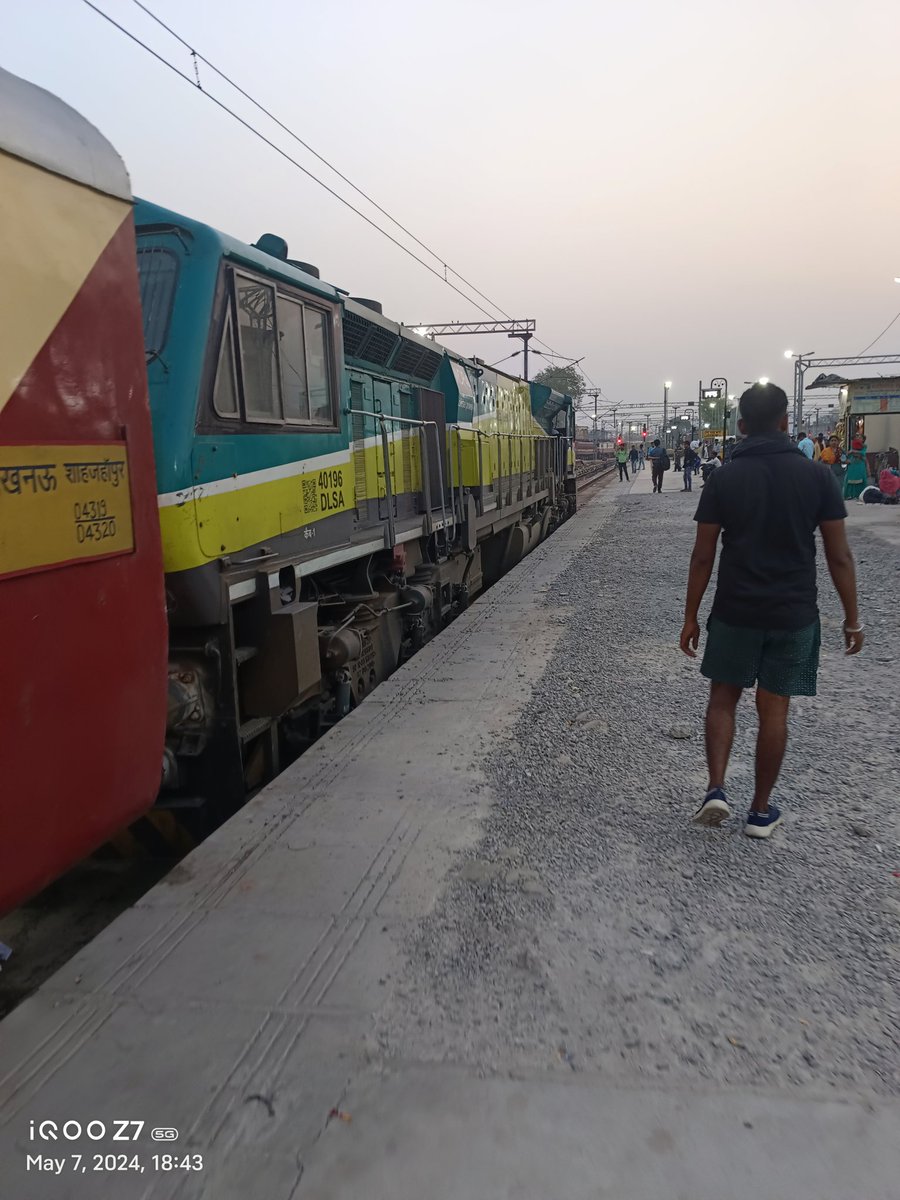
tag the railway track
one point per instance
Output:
(593, 476)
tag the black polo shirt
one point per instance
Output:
(769, 500)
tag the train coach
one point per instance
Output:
(82, 616)
(232, 499)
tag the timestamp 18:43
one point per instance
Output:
(177, 1162)
(113, 1162)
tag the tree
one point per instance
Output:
(567, 380)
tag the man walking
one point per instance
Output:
(633, 459)
(805, 443)
(622, 462)
(658, 458)
(764, 625)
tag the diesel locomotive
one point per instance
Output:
(331, 488)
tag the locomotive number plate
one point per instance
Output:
(63, 503)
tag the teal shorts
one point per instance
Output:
(783, 661)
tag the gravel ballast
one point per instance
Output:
(595, 929)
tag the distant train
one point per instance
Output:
(331, 488)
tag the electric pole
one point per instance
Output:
(595, 392)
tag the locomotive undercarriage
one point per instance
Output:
(249, 695)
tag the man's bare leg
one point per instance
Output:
(771, 742)
(723, 700)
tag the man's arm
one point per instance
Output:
(843, 575)
(702, 560)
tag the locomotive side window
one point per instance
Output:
(225, 398)
(158, 275)
(259, 351)
(292, 354)
(274, 362)
(317, 363)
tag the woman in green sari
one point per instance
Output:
(857, 475)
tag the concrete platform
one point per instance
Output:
(240, 1001)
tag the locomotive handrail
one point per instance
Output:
(479, 433)
(498, 434)
(382, 418)
(564, 437)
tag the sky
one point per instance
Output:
(672, 190)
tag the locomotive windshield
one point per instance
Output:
(158, 275)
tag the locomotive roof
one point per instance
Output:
(40, 128)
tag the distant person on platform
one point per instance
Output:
(805, 443)
(689, 455)
(657, 456)
(712, 463)
(622, 463)
(832, 457)
(764, 625)
(633, 459)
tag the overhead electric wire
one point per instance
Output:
(284, 154)
(880, 336)
(306, 146)
(197, 85)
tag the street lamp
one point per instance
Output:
(666, 387)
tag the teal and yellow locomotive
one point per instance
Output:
(333, 488)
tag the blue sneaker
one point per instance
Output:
(760, 825)
(714, 809)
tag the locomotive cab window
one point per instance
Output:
(282, 359)
(225, 397)
(294, 388)
(259, 350)
(317, 363)
(157, 277)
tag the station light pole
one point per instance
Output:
(799, 371)
(665, 420)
